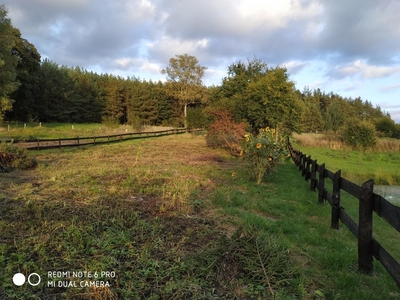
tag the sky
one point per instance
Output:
(348, 47)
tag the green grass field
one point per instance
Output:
(22, 131)
(175, 219)
(357, 166)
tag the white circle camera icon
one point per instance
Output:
(33, 279)
(19, 279)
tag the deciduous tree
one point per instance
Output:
(184, 80)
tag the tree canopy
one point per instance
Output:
(184, 80)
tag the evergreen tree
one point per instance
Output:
(8, 63)
(334, 116)
(28, 68)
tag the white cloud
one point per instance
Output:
(124, 63)
(167, 47)
(390, 88)
(150, 67)
(271, 11)
(360, 67)
(294, 66)
(138, 64)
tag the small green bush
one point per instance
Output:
(12, 157)
(109, 121)
(360, 135)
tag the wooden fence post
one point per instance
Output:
(365, 228)
(301, 157)
(336, 201)
(78, 141)
(59, 143)
(321, 184)
(307, 171)
(38, 144)
(313, 175)
(303, 165)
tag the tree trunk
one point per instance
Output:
(185, 115)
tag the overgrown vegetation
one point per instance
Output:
(225, 133)
(12, 157)
(263, 152)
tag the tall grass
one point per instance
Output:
(381, 165)
(333, 141)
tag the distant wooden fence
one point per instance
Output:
(369, 202)
(39, 144)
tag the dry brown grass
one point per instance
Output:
(387, 145)
(319, 140)
(334, 142)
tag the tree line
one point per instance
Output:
(32, 89)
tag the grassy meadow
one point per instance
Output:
(34, 130)
(175, 219)
(382, 163)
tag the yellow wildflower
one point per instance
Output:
(258, 146)
(247, 139)
(270, 159)
(267, 129)
(272, 130)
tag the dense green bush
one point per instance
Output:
(197, 118)
(360, 135)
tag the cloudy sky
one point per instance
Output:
(350, 47)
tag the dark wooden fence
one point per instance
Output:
(369, 202)
(39, 144)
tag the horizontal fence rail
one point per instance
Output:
(369, 202)
(39, 144)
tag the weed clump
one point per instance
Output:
(12, 157)
(252, 260)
